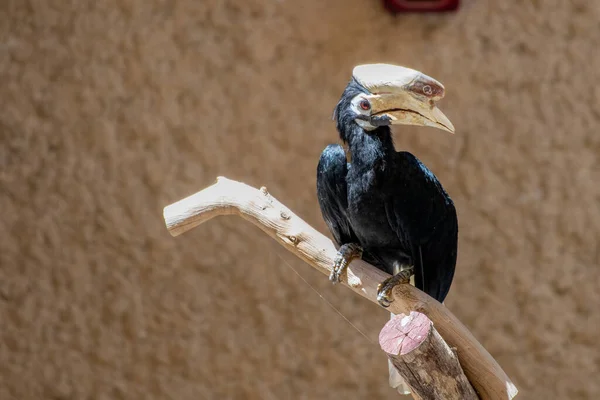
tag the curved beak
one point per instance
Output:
(408, 110)
(403, 96)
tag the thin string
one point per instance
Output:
(324, 299)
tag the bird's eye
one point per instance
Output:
(365, 105)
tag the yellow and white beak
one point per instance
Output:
(400, 95)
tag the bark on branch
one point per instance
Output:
(427, 364)
(228, 197)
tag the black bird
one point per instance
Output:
(382, 205)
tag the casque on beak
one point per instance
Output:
(402, 95)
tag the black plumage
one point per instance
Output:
(387, 202)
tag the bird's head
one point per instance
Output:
(383, 94)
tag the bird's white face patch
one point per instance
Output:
(360, 105)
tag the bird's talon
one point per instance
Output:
(384, 293)
(334, 277)
(384, 301)
(338, 267)
(345, 255)
(385, 288)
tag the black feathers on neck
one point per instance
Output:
(367, 148)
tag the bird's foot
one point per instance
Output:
(345, 255)
(384, 290)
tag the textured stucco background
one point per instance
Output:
(112, 109)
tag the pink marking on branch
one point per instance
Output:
(402, 334)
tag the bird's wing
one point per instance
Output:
(332, 193)
(424, 218)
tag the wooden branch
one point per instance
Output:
(427, 364)
(228, 197)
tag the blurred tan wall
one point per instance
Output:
(110, 110)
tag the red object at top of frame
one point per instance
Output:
(404, 6)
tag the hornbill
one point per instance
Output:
(381, 205)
